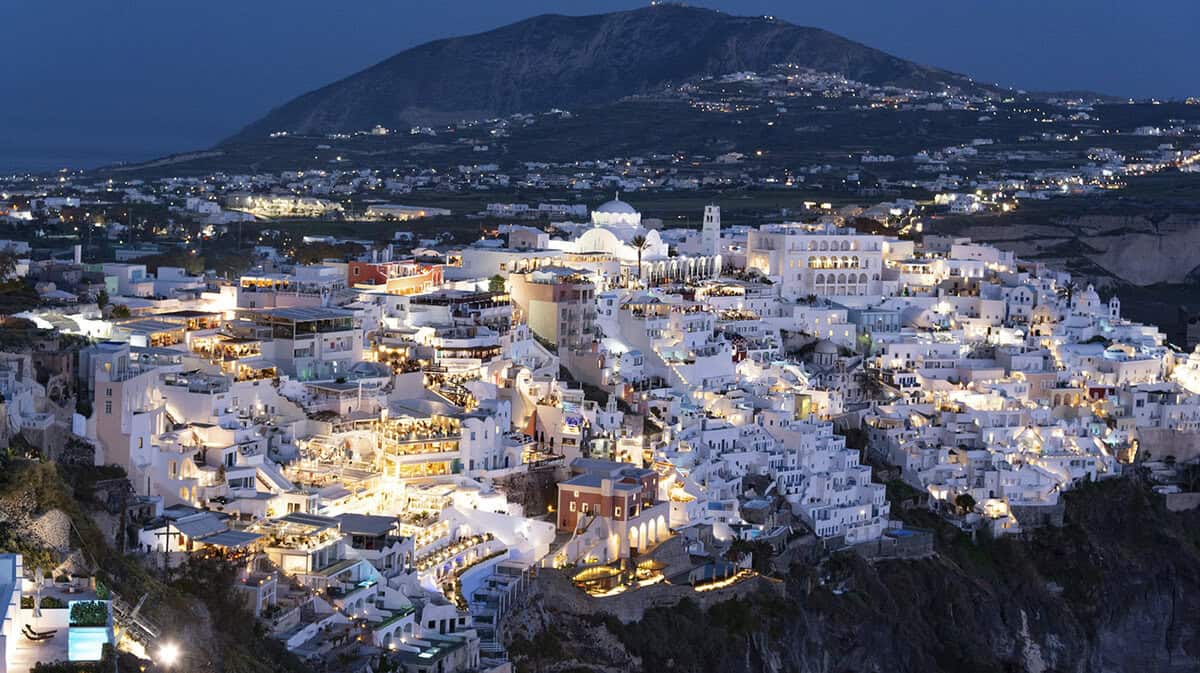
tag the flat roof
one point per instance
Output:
(309, 519)
(150, 326)
(591, 480)
(306, 313)
(233, 539)
(366, 524)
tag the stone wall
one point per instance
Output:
(1036, 516)
(1158, 443)
(914, 544)
(1182, 502)
(554, 588)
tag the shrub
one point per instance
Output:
(89, 613)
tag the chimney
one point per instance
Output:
(78, 253)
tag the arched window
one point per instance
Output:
(824, 245)
(841, 278)
(820, 278)
(862, 277)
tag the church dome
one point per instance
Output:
(825, 353)
(616, 213)
(616, 207)
(825, 347)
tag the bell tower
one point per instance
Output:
(710, 234)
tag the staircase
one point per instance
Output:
(135, 625)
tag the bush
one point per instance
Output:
(52, 603)
(89, 613)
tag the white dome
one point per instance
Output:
(617, 207)
(616, 213)
(825, 347)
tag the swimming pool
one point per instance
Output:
(85, 643)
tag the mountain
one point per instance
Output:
(568, 61)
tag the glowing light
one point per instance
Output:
(168, 654)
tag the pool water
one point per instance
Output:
(86, 642)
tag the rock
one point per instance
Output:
(53, 529)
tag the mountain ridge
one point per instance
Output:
(554, 60)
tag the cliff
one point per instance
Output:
(1115, 589)
(1138, 249)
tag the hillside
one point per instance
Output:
(1111, 591)
(567, 61)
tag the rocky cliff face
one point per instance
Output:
(560, 61)
(1116, 589)
(1141, 249)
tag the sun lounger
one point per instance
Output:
(38, 635)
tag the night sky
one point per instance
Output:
(88, 82)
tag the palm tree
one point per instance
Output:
(639, 243)
(1068, 292)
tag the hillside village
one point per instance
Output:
(389, 448)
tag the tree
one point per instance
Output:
(639, 244)
(964, 502)
(102, 298)
(120, 311)
(496, 283)
(8, 264)
(1068, 292)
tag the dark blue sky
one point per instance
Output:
(88, 82)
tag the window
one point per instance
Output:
(107, 406)
(617, 512)
(108, 392)
(572, 508)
